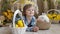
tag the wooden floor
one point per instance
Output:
(54, 29)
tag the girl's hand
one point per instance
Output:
(35, 29)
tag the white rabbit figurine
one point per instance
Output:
(44, 17)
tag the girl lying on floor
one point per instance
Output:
(29, 19)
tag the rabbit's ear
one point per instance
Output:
(43, 13)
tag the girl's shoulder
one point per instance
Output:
(24, 18)
(33, 19)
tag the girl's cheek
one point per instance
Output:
(32, 12)
(27, 12)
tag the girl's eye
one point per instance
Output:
(30, 10)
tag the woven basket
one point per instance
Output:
(57, 12)
(18, 30)
(43, 23)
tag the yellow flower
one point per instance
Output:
(50, 16)
(20, 23)
(16, 26)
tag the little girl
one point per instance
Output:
(29, 19)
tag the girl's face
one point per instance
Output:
(30, 11)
